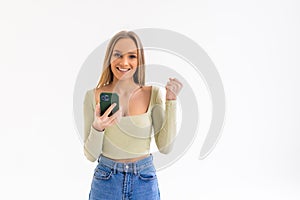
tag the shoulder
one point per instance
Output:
(156, 90)
(157, 94)
(147, 88)
(89, 97)
(89, 93)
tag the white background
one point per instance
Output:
(254, 45)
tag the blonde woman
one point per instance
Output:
(121, 142)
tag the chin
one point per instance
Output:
(123, 78)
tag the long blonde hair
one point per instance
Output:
(107, 75)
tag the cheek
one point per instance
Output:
(113, 62)
(134, 63)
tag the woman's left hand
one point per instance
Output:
(173, 88)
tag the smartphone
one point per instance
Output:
(106, 99)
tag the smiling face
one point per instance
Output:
(124, 60)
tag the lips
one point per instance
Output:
(123, 69)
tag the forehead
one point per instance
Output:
(125, 45)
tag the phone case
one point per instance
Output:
(106, 99)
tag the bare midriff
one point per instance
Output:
(131, 159)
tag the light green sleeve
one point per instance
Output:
(164, 123)
(93, 139)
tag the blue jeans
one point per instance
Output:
(123, 181)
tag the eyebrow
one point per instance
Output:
(131, 52)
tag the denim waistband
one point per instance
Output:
(133, 167)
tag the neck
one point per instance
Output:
(124, 86)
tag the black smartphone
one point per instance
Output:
(106, 99)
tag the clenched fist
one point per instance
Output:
(173, 88)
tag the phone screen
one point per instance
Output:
(106, 99)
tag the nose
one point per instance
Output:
(125, 61)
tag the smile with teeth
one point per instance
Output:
(123, 69)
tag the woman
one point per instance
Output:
(121, 142)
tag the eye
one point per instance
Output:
(132, 56)
(117, 55)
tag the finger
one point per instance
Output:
(173, 83)
(175, 89)
(170, 88)
(178, 82)
(112, 122)
(110, 108)
(175, 80)
(97, 110)
(176, 85)
(115, 116)
(173, 86)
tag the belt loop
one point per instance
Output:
(134, 168)
(115, 167)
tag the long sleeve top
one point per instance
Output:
(131, 136)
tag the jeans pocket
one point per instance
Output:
(148, 174)
(102, 172)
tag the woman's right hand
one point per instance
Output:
(103, 121)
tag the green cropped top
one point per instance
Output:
(131, 136)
